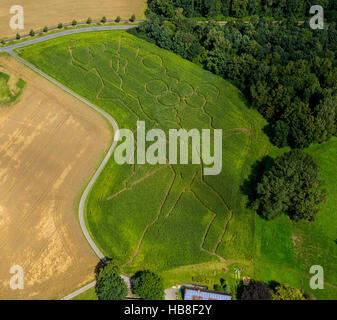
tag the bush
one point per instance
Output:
(103, 20)
(110, 285)
(60, 25)
(222, 287)
(118, 19)
(89, 20)
(2, 41)
(148, 285)
(133, 18)
(32, 33)
(18, 36)
(291, 185)
(45, 29)
(285, 292)
(256, 290)
(74, 23)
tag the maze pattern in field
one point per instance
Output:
(166, 215)
(168, 93)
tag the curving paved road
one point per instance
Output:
(9, 49)
(79, 291)
(102, 165)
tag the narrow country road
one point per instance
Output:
(61, 34)
(79, 291)
(9, 50)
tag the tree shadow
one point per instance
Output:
(249, 186)
(239, 290)
(222, 287)
(272, 284)
(268, 131)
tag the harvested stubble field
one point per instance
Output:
(166, 216)
(40, 13)
(50, 145)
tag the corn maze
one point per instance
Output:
(161, 216)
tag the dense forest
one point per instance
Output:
(241, 8)
(287, 72)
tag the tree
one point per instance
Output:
(133, 18)
(110, 285)
(18, 36)
(163, 8)
(74, 23)
(60, 25)
(326, 116)
(45, 29)
(256, 290)
(280, 132)
(213, 8)
(291, 185)
(103, 20)
(239, 8)
(148, 285)
(32, 33)
(302, 125)
(89, 20)
(159, 32)
(118, 19)
(285, 292)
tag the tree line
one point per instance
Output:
(287, 72)
(241, 8)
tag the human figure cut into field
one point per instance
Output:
(163, 101)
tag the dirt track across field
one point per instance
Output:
(40, 13)
(50, 145)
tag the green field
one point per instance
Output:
(286, 250)
(9, 95)
(87, 295)
(172, 219)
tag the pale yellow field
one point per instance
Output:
(38, 13)
(50, 145)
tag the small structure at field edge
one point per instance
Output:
(197, 294)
